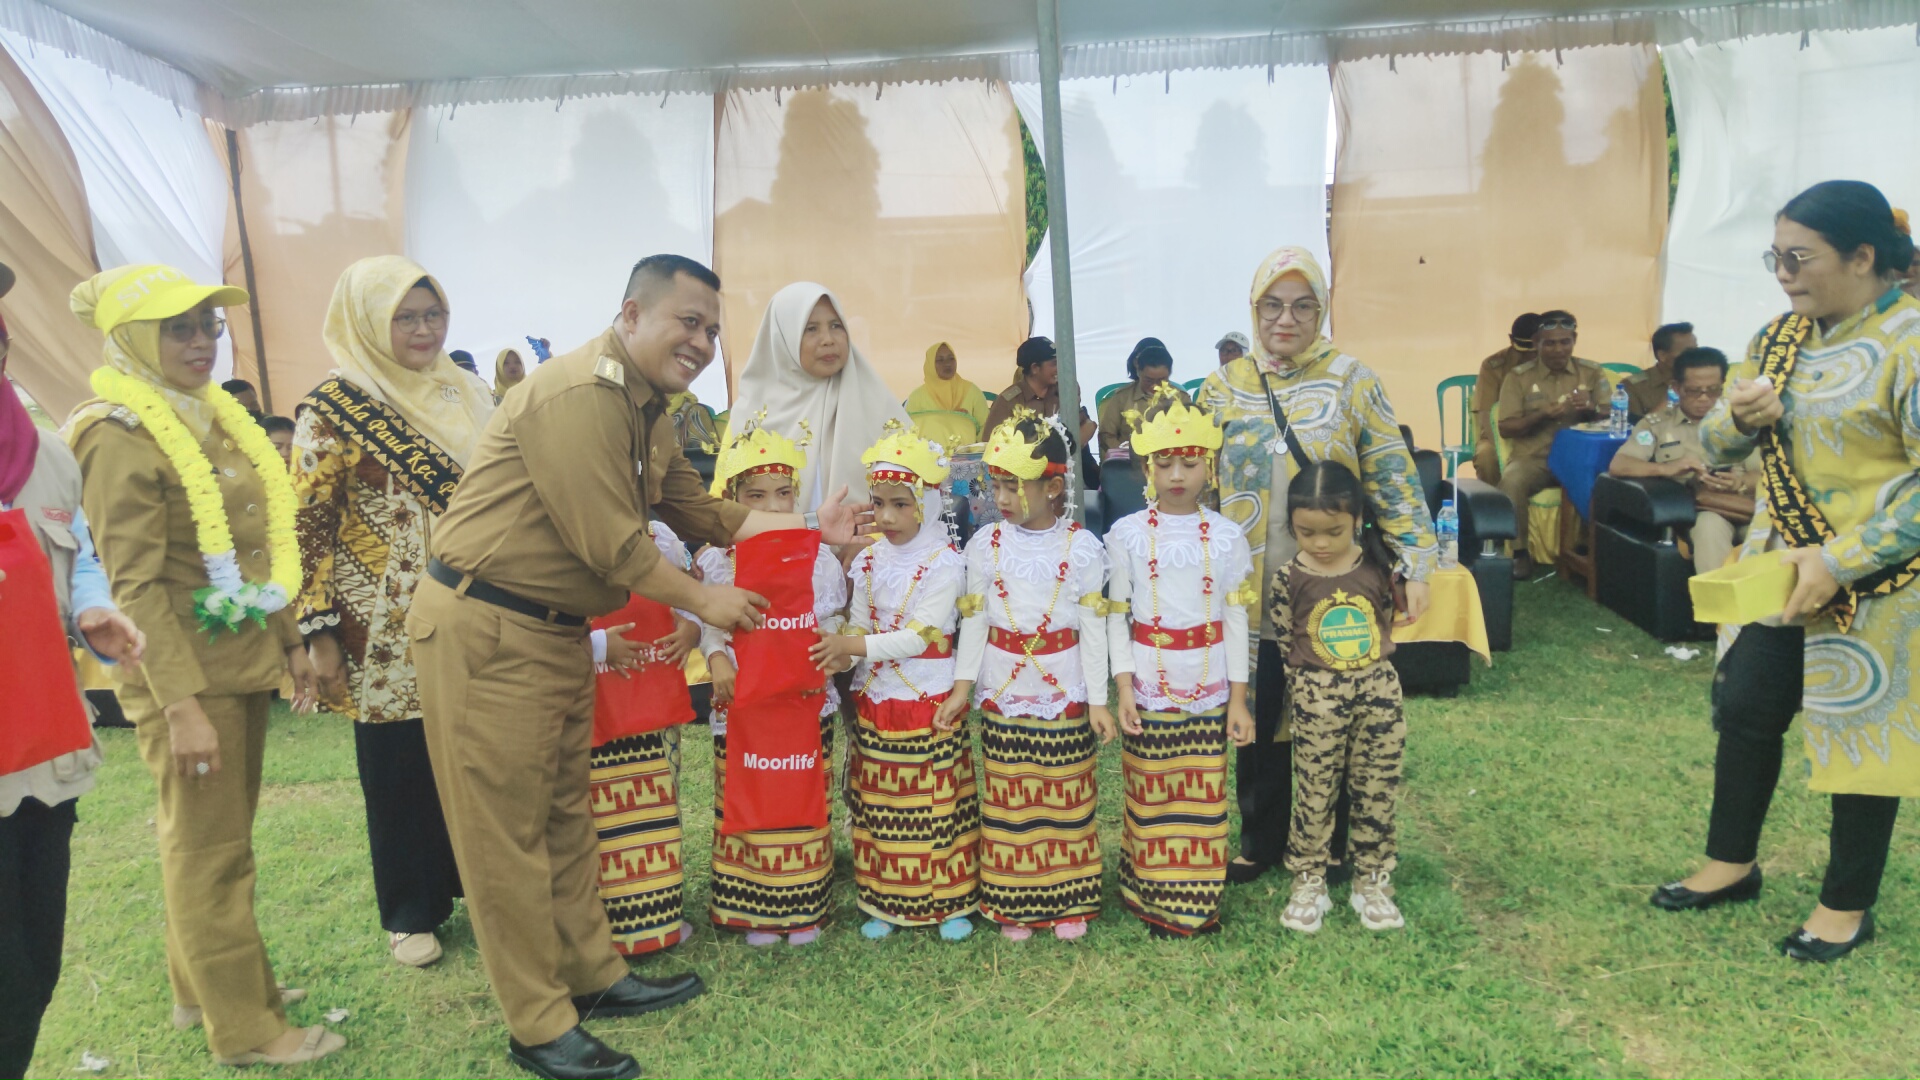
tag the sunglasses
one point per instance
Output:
(185, 329)
(1560, 324)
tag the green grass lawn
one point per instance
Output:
(1542, 806)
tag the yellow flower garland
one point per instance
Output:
(229, 601)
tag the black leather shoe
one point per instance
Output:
(1804, 946)
(633, 995)
(1674, 896)
(577, 1055)
(1239, 873)
(1161, 933)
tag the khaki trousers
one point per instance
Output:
(1520, 481)
(215, 957)
(508, 702)
(1713, 538)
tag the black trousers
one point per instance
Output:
(36, 843)
(1756, 692)
(414, 876)
(1264, 771)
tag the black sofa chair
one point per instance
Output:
(1123, 491)
(702, 463)
(1639, 571)
(1486, 522)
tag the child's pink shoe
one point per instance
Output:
(1015, 933)
(761, 940)
(1070, 931)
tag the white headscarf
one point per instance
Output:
(845, 413)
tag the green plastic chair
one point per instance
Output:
(990, 395)
(1621, 370)
(1101, 395)
(1464, 439)
(1192, 386)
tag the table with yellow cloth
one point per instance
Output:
(1453, 615)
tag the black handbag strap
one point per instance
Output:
(1300, 458)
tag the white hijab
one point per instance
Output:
(845, 413)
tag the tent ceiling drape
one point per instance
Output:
(260, 60)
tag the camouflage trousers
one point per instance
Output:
(1347, 727)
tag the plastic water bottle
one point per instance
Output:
(1446, 527)
(1620, 425)
(1673, 398)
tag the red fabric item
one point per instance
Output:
(901, 716)
(651, 696)
(1192, 637)
(1053, 641)
(775, 776)
(44, 716)
(19, 438)
(772, 660)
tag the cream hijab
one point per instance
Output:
(844, 413)
(447, 405)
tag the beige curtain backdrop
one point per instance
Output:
(908, 204)
(318, 195)
(46, 237)
(1470, 189)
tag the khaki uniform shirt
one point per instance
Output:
(1019, 393)
(1668, 435)
(1486, 390)
(1114, 429)
(1533, 386)
(1647, 391)
(555, 502)
(142, 527)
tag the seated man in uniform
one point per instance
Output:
(1647, 391)
(1667, 444)
(1539, 399)
(1486, 393)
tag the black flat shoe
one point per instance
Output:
(1155, 930)
(1804, 946)
(1674, 896)
(633, 995)
(577, 1055)
(1239, 873)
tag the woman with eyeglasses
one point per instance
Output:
(1298, 399)
(1827, 395)
(192, 514)
(376, 455)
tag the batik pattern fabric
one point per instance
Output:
(1040, 857)
(363, 549)
(1173, 841)
(773, 881)
(1852, 428)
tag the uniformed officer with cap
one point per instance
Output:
(547, 530)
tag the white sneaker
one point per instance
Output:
(1373, 900)
(1308, 904)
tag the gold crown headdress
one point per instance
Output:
(1012, 452)
(757, 450)
(903, 457)
(1176, 427)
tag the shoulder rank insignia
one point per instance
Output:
(610, 369)
(125, 416)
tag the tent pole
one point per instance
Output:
(246, 264)
(1056, 164)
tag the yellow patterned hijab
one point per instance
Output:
(1300, 262)
(446, 404)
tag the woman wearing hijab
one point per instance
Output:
(1150, 366)
(39, 477)
(509, 371)
(193, 514)
(808, 378)
(1298, 399)
(945, 407)
(376, 456)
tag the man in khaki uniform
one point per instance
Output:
(1538, 400)
(1667, 444)
(1486, 393)
(1647, 391)
(547, 530)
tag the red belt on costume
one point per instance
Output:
(1053, 641)
(901, 715)
(1192, 637)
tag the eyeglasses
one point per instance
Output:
(1774, 260)
(409, 321)
(186, 328)
(1698, 392)
(1304, 310)
(1560, 324)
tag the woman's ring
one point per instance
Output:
(202, 768)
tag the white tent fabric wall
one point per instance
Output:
(155, 188)
(1176, 189)
(531, 217)
(1759, 120)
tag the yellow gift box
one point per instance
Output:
(1743, 592)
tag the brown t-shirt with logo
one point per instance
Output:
(1338, 623)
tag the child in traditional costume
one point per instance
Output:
(916, 823)
(770, 883)
(1033, 657)
(1333, 611)
(640, 701)
(1177, 634)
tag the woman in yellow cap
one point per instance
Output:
(193, 513)
(947, 408)
(378, 451)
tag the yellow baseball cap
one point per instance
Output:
(153, 292)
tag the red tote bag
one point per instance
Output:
(775, 776)
(649, 697)
(43, 716)
(772, 659)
